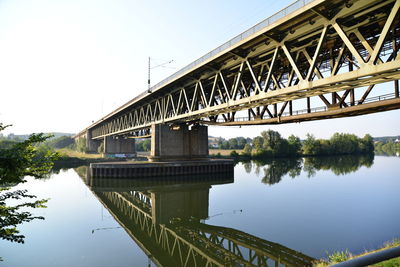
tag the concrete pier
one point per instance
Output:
(178, 142)
(119, 147)
(160, 169)
(91, 145)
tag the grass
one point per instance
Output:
(340, 256)
(223, 152)
(76, 154)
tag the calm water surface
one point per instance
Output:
(289, 211)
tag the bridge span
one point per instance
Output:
(312, 60)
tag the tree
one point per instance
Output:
(310, 145)
(241, 142)
(258, 142)
(20, 160)
(146, 145)
(272, 140)
(60, 142)
(294, 145)
(247, 149)
(367, 144)
(80, 144)
(233, 143)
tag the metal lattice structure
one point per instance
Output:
(324, 50)
(193, 243)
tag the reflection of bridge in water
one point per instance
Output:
(166, 219)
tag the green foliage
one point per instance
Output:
(294, 143)
(234, 154)
(60, 142)
(80, 145)
(143, 144)
(339, 256)
(272, 144)
(7, 143)
(24, 158)
(338, 144)
(233, 143)
(11, 216)
(389, 148)
(247, 150)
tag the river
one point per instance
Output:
(284, 211)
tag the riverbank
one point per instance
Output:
(341, 256)
(71, 158)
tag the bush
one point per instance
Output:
(234, 154)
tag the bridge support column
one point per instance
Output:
(178, 142)
(119, 147)
(91, 145)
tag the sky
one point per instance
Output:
(64, 64)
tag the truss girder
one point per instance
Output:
(308, 58)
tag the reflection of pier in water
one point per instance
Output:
(165, 218)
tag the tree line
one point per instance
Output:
(271, 144)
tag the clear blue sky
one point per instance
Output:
(64, 64)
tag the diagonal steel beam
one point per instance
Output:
(348, 43)
(256, 81)
(291, 61)
(385, 30)
(271, 68)
(314, 60)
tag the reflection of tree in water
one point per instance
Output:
(275, 169)
(247, 166)
(278, 168)
(339, 165)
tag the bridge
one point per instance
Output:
(165, 217)
(312, 60)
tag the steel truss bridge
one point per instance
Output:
(191, 243)
(312, 60)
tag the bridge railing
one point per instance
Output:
(268, 21)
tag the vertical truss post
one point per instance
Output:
(352, 89)
(308, 105)
(290, 108)
(396, 82)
